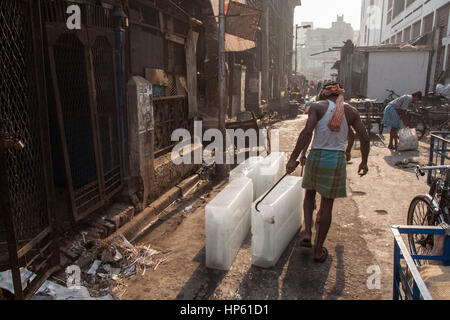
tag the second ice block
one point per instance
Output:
(271, 169)
(249, 169)
(279, 219)
(228, 223)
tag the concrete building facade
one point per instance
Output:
(300, 32)
(371, 22)
(314, 61)
(391, 22)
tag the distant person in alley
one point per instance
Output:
(325, 171)
(396, 113)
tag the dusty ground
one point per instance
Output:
(359, 238)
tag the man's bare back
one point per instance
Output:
(316, 112)
(321, 107)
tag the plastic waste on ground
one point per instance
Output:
(50, 290)
(279, 219)
(408, 140)
(228, 223)
(443, 90)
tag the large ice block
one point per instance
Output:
(279, 219)
(271, 169)
(249, 169)
(228, 221)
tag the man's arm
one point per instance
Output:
(303, 156)
(363, 138)
(404, 117)
(304, 139)
(351, 142)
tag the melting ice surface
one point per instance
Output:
(271, 169)
(264, 172)
(248, 169)
(278, 221)
(228, 223)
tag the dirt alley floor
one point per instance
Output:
(359, 238)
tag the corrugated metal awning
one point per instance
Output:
(243, 21)
(242, 24)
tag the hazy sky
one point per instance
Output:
(324, 12)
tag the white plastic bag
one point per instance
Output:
(408, 140)
(443, 90)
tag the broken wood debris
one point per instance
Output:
(105, 265)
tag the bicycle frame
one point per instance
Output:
(401, 274)
(441, 209)
(392, 95)
(439, 148)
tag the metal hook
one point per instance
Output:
(256, 207)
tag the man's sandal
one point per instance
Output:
(306, 243)
(324, 256)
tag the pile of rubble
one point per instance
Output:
(407, 163)
(104, 265)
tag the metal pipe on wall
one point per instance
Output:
(119, 38)
(265, 53)
(222, 168)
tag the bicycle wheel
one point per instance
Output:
(444, 126)
(421, 214)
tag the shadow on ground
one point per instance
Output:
(295, 277)
(306, 280)
(203, 282)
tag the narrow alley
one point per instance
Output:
(359, 238)
(170, 150)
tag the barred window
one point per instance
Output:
(399, 7)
